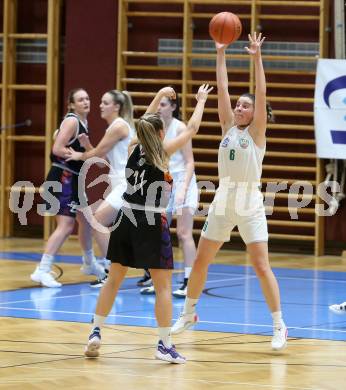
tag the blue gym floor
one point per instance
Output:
(232, 301)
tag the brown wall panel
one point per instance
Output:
(29, 156)
(32, 16)
(90, 52)
(90, 58)
(89, 61)
(90, 30)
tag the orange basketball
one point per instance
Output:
(225, 27)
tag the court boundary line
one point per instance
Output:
(174, 319)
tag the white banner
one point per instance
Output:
(330, 109)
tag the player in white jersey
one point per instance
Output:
(117, 110)
(238, 200)
(184, 198)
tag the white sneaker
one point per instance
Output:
(93, 269)
(98, 283)
(181, 292)
(45, 278)
(184, 322)
(168, 354)
(279, 340)
(338, 308)
(92, 350)
(150, 290)
(145, 280)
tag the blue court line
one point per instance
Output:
(32, 256)
(222, 268)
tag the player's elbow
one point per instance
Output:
(58, 150)
(192, 128)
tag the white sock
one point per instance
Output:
(165, 336)
(190, 305)
(88, 257)
(188, 272)
(277, 319)
(98, 321)
(46, 263)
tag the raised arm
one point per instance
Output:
(163, 92)
(258, 126)
(171, 146)
(223, 99)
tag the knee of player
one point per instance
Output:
(184, 233)
(262, 267)
(201, 262)
(67, 227)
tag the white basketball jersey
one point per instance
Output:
(117, 156)
(239, 158)
(176, 161)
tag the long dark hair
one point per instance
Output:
(270, 114)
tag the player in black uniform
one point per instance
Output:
(65, 174)
(142, 238)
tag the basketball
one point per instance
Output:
(225, 27)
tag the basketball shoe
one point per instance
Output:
(168, 354)
(185, 321)
(94, 343)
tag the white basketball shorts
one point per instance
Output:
(244, 209)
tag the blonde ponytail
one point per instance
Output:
(148, 133)
(126, 110)
(126, 107)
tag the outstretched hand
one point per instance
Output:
(255, 43)
(203, 92)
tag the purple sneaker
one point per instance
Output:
(168, 354)
(94, 343)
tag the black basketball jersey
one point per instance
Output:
(72, 166)
(147, 185)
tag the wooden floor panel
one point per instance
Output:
(41, 354)
(49, 355)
